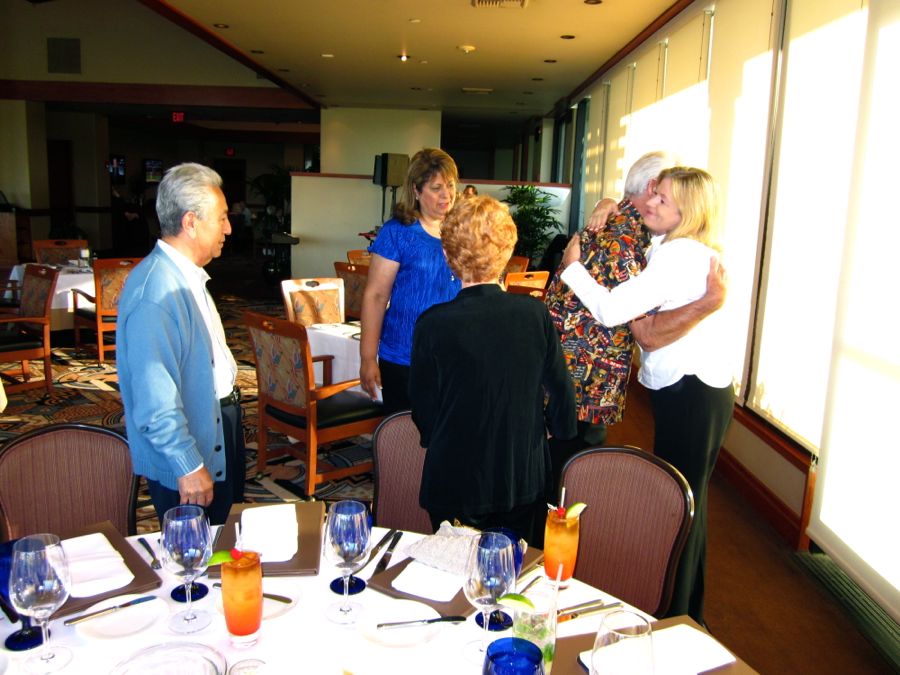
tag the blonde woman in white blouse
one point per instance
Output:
(690, 379)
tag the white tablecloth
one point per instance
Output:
(302, 639)
(62, 307)
(338, 340)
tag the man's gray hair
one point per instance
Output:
(646, 169)
(184, 188)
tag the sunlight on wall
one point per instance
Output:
(814, 167)
(677, 123)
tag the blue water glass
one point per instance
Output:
(500, 620)
(513, 656)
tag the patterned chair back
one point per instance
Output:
(355, 278)
(283, 362)
(109, 280)
(311, 301)
(37, 290)
(58, 251)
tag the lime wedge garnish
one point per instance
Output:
(516, 601)
(575, 510)
(219, 557)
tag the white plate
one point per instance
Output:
(174, 658)
(124, 622)
(400, 610)
(4, 663)
(272, 608)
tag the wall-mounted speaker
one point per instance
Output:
(390, 169)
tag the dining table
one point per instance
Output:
(341, 340)
(70, 277)
(297, 637)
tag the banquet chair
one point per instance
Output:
(359, 256)
(309, 301)
(639, 512)
(58, 251)
(291, 402)
(65, 476)
(398, 458)
(517, 263)
(25, 334)
(354, 277)
(534, 279)
(109, 279)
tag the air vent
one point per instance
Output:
(477, 90)
(503, 4)
(64, 55)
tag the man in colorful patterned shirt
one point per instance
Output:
(599, 357)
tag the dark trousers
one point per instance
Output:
(561, 451)
(394, 386)
(526, 521)
(691, 419)
(225, 492)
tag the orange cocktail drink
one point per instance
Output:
(242, 598)
(560, 545)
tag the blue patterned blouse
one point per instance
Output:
(424, 279)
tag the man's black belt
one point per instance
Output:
(232, 399)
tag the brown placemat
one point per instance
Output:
(310, 519)
(145, 579)
(566, 662)
(458, 605)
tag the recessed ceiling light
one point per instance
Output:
(528, 93)
(415, 20)
(327, 56)
(221, 25)
(466, 49)
(403, 57)
(567, 37)
(416, 88)
(424, 62)
(257, 51)
(593, 2)
(549, 60)
(537, 79)
(284, 70)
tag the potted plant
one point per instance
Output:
(534, 217)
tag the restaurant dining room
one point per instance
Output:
(300, 370)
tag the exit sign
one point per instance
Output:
(178, 117)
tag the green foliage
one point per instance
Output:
(534, 217)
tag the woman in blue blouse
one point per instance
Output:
(407, 275)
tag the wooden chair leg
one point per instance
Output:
(312, 465)
(48, 373)
(100, 349)
(262, 438)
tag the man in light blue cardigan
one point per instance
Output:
(176, 373)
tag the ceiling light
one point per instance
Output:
(528, 93)
(403, 57)
(567, 37)
(593, 2)
(477, 90)
(327, 56)
(537, 79)
(221, 25)
(416, 88)
(284, 70)
(415, 20)
(466, 49)
(257, 51)
(549, 60)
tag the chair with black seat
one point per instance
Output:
(312, 301)
(639, 512)
(25, 334)
(58, 251)
(65, 476)
(109, 279)
(291, 402)
(355, 278)
(399, 457)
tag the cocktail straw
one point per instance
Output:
(237, 536)
(562, 497)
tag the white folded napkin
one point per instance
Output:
(448, 549)
(95, 566)
(271, 531)
(680, 650)
(427, 582)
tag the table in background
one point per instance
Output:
(341, 340)
(62, 308)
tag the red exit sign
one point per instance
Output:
(178, 117)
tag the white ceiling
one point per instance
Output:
(365, 38)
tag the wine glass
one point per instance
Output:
(347, 534)
(500, 620)
(490, 573)
(623, 645)
(185, 549)
(38, 586)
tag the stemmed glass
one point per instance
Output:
(623, 645)
(347, 535)
(38, 586)
(490, 573)
(185, 549)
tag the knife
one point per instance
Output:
(271, 596)
(378, 547)
(570, 614)
(420, 622)
(386, 558)
(108, 610)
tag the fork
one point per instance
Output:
(154, 561)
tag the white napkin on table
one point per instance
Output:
(427, 582)
(271, 531)
(95, 566)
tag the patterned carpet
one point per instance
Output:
(87, 392)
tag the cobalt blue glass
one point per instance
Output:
(513, 656)
(500, 620)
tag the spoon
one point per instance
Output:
(421, 622)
